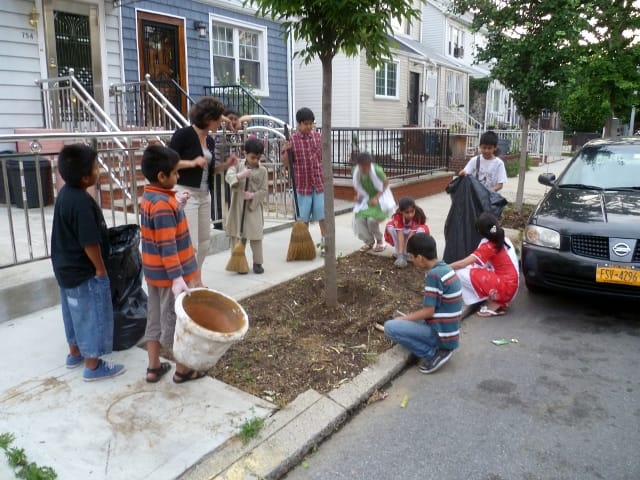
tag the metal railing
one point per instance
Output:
(457, 120)
(139, 105)
(182, 93)
(546, 144)
(238, 98)
(68, 106)
(402, 152)
(29, 181)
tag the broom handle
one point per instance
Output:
(244, 209)
(293, 177)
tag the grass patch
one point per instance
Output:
(250, 429)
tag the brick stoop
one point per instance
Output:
(415, 187)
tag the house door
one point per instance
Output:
(414, 98)
(161, 53)
(72, 42)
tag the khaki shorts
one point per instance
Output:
(161, 315)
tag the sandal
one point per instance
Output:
(187, 376)
(485, 312)
(366, 247)
(158, 372)
(379, 248)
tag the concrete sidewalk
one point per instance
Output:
(127, 429)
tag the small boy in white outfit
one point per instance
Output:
(488, 168)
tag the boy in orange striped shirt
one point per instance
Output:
(168, 258)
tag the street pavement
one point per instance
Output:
(124, 428)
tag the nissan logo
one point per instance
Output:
(621, 249)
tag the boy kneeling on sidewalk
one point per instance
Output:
(432, 332)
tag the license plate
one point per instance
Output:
(617, 274)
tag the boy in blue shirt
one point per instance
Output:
(433, 331)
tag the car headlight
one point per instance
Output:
(541, 236)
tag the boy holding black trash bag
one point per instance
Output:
(79, 247)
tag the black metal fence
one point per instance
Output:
(402, 152)
(238, 98)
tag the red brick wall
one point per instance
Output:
(421, 187)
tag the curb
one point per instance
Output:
(293, 431)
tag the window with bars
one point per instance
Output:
(387, 81)
(239, 55)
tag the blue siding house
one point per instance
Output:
(189, 48)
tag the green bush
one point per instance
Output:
(513, 166)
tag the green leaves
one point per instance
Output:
(539, 46)
(18, 461)
(347, 26)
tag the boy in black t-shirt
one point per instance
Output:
(79, 246)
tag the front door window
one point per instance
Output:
(161, 54)
(73, 47)
(160, 60)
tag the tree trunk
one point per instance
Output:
(523, 162)
(330, 268)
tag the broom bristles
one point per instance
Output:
(238, 261)
(301, 246)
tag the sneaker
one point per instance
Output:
(322, 247)
(73, 362)
(257, 268)
(103, 371)
(434, 363)
(401, 261)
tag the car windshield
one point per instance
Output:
(604, 166)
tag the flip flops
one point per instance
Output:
(158, 373)
(366, 247)
(187, 376)
(379, 248)
(485, 312)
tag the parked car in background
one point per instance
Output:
(584, 235)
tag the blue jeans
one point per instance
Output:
(87, 314)
(418, 337)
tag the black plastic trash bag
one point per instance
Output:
(469, 198)
(124, 266)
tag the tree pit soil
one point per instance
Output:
(295, 342)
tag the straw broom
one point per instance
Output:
(238, 261)
(301, 246)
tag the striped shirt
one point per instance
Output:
(167, 252)
(307, 160)
(443, 291)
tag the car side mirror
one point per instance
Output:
(547, 179)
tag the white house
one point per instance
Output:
(425, 84)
